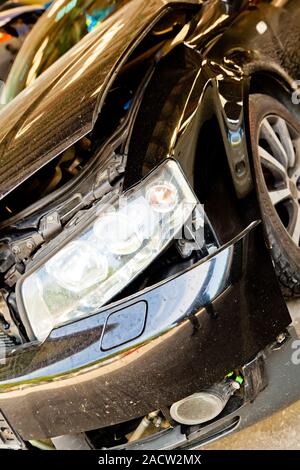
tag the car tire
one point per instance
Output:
(275, 143)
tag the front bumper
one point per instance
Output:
(149, 350)
(283, 389)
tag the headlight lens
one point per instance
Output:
(162, 196)
(77, 267)
(109, 252)
(118, 241)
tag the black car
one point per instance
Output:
(150, 226)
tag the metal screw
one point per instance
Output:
(235, 385)
(16, 249)
(240, 168)
(280, 338)
(29, 245)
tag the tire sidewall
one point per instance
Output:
(261, 106)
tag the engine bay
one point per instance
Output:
(41, 209)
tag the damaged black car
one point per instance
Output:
(149, 224)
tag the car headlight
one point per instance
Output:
(105, 254)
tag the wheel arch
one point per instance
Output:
(202, 146)
(218, 191)
(278, 84)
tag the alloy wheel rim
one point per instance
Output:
(279, 152)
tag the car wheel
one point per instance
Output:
(275, 140)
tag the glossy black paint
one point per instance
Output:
(70, 383)
(205, 84)
(62, 105)
(227, 41)
(199, 325)
(279, 370)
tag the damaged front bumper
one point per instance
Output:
(150, 350)
(281, 389)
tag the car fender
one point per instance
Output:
(62, 105)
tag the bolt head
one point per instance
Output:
(280, 338)
(235, 385)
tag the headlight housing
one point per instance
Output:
(107, 252)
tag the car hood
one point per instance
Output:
(62, 104)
